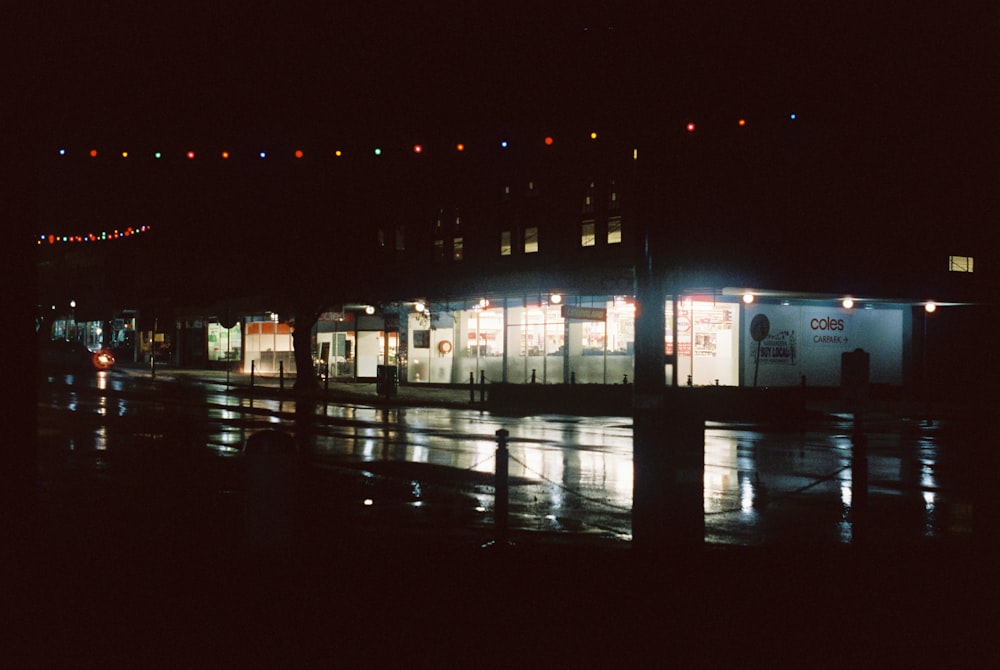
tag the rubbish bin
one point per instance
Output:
(386, 380)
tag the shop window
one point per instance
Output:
(587, 236)
(960, 264)
(456, 249)
(615, 230)
(505, 243)
(531, 240)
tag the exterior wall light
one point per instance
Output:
(484, 303)
(747, 297)
(848, 303)
(930, 307)
(420, 307)
(555, 298)
(369, 310)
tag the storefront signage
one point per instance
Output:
(584, 313)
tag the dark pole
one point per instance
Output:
(667, 431)
(152, 348)
(502, 502)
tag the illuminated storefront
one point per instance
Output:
(268, 344)
(590, 340)
(523, 340)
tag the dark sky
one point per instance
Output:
(135, 67)
(902, 96)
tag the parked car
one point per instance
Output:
(65, 356)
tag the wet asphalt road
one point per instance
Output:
(570, 475)
(147, 555)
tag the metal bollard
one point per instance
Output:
(532, 375)
(281, 375)
(253, 368)
(502, 501)
(482, 386)
(472, 386)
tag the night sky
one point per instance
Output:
(896, 104)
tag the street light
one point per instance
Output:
(929, 308)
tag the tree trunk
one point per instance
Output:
(305, 377)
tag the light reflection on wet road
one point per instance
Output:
(567, 473)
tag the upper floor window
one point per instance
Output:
(438, 251)
(588, 237)
(531, 240)
(588, 199)
(613, 196)
(960, 263)
(505, 243)
(614, 230)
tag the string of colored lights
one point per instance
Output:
(688, 126)
(104, 236)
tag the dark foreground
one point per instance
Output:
(431, 604)
(126, 581)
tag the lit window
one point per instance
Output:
(960, 263)
(588, 199)
(505, 243)
(456, 249)
(615, 230)
(531, 240)
(587, 235)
